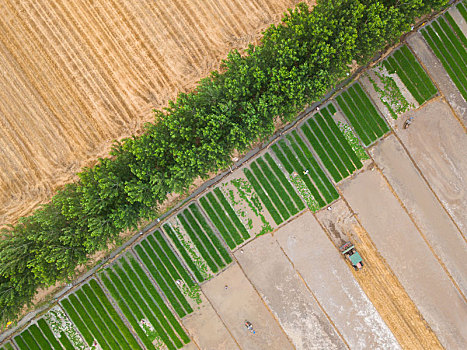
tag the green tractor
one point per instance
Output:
(351, 253)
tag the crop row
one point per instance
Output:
(330, 145)
(463, 10)
(96, 319)
(7, 346)
(362, 114)
(412, 74)
(450, 51)
(224, 218)
(166, 269)
(274, 189)
(296, 157)
(40, 336)
(139, 300)
(203, 237)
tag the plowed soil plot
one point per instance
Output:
(240, 302)
(287, 296)
(438, 144)
(431, 218)
(207, 329)
(401, 245)
(78, 74)
(378, 281)
(330, 280)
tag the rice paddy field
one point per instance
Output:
(308, 186)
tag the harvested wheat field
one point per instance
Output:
(78, 74)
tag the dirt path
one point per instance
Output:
(378, 281)
(78, 74)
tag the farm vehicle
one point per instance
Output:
(349, 251)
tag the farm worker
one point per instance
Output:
(306, 172)
(408, 122)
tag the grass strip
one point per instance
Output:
(117, 292)
(76, 319)
(215, 217)
(65, 342)
(415, 81)
(364, 122)
(285, 182)
(20, 343)
(346, 109)
(275, 183)
(94, 312)
(462, 9)
(7, 346)
(39, 338)
(173, 258)
(311, 137)
(44, 327)
(332, 109)
(158, 299)
(153, 268)
(299, 168)
(145, 302)
(159, 253)
(331, 192)
(335, 145)
(219, 207)
(282, 158)
(456, 28)
(263, 196)
(173, 236)
(340, 136)
(446, 60)
(85, 317)
(231, 214)
(94, 290)
(210, 234)
(268, 187)
(196, 241)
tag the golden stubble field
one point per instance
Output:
(76, 75)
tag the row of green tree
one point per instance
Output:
(296, 63)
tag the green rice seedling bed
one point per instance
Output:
(462, 9)
(285, 183)
(319, 149)
(231, 213)
(284, 158)
(76, 319)
(125, 305)
(376, 120)
(197, 242)
(310, 161)
(144, 301)
(275, 196)
(45, 329)
(456, 74)
(348, 112)
(159, 238)
(327, 115)
(454, 41)
(277, 186)
(26, 341)
(152, 267)
(456, 28)
(65, 342)
(215, 216)
(184, 253)
(158, 299)
(393, 66)
(7, 346)
(361, 113)
(210, 233)
(107, 330)
(335, 142)
(263, 196)
(39, 338)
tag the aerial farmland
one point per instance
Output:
(381, 164)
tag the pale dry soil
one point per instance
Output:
(282, 289)
(402, 247)
(328, 276)
(239, 303)
(430, 217)
(378, 281)
(78, 74)
(207, 330)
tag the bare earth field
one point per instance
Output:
(78, 74)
